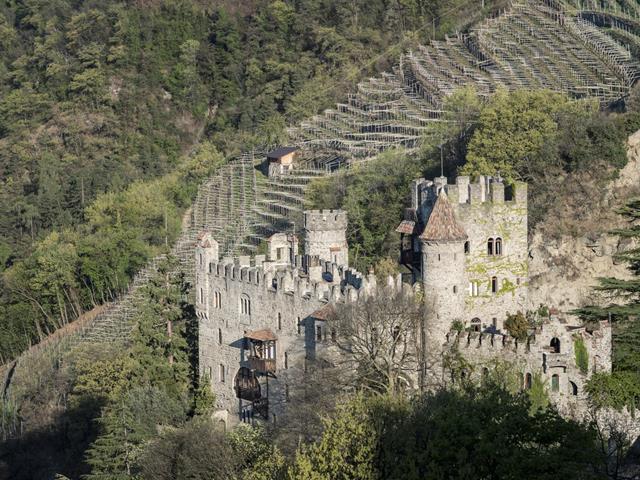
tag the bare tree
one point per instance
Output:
(378, 339)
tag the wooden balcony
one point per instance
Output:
(262, 365)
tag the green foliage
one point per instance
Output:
(581, 354)
(517, 326)
(374, 196)
(446, 434)
(199, 451)
(538, 394)
(346, 450)
(614, 390)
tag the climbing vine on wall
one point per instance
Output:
(582, 356)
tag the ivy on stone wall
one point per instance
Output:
(582, 356)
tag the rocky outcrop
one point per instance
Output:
(563, 270)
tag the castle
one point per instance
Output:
(263, 318)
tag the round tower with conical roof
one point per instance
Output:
(442, 244)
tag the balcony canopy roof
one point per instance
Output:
(263, 335)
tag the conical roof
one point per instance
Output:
(442, 224)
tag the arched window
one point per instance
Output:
(467, 247)
(528, 381)
(498, 246)
(245, 305)
(490, 246)
(494, 284)
(573, 389)
(555, 345)
(555, 383)
(476, 324)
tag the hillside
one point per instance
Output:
(530, 45)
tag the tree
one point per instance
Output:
(346, 450)
(517, 326)
(199, 451)
(379, 338)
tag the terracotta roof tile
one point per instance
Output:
(406, 226)
(442, 224)
(261, 335)
(325, 313)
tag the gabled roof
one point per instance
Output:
(442, 224)
(280, 152)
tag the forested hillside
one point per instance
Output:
(102, 103)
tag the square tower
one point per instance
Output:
(325, 235)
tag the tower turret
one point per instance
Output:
(443, 274)
(325, 235)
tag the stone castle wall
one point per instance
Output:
(484, 212)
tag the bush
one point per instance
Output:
(582, 356)
(517, 326)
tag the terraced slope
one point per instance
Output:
(532, 45)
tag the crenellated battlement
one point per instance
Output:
(486, 189)
(536, 343)
(325, 220)
(331, 282)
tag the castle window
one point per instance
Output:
(474, 289)
(528, 381)
(298, 326)
(455, 289)
(220, 336)
(286, 360)
(217, 299)
(221, 373)
(333, 334)
(467, 247)
(475, 324)
(201, 295)
(211, 267)
(245, 305)
(438, 257)
(555, 345)
(555, 383)
(319, 333)
(485, 373)
(494, 284)
(279, 321)
(498, 246)
(573, 389)
(490, 246)
(200, 259)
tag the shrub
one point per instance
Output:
(517, 326)
(582, 356)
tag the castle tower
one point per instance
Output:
(443, 275)
(207, 251)
(325, 235)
